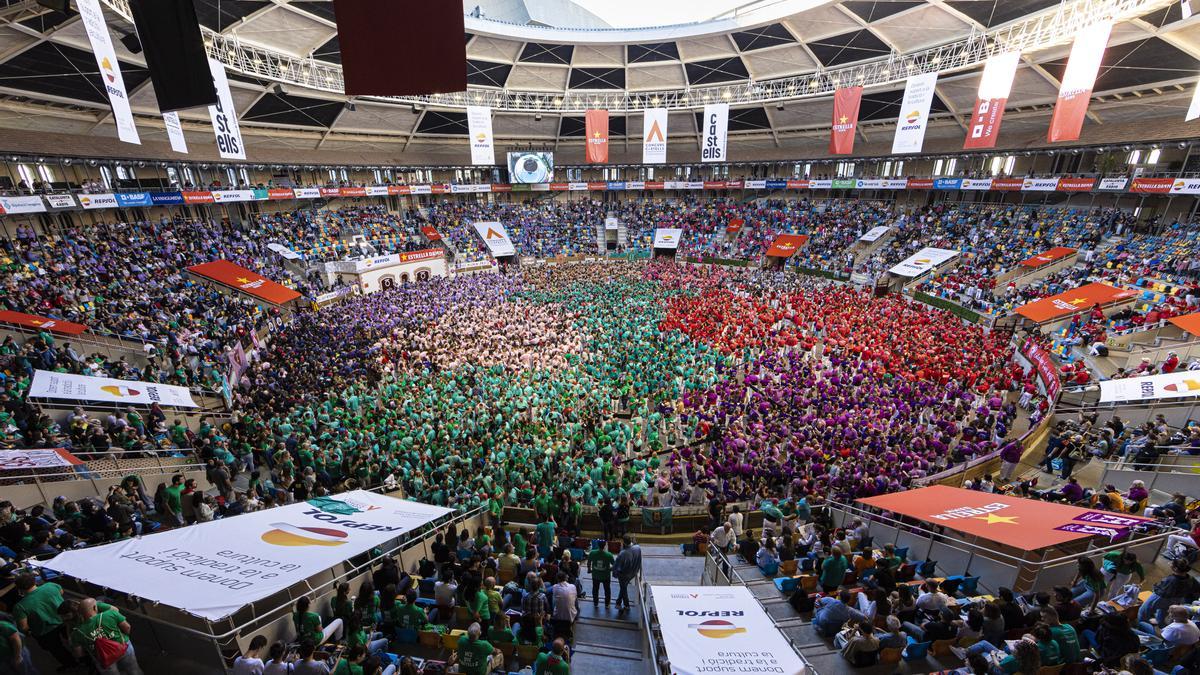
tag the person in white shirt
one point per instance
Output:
(723, 537)
(307, 665)
(251, 663)
(932, 599)
(565, 607)
(735, 520)
(276, 663)
(1181, 630)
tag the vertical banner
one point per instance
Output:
(224, 116)
(175, 132)
(479, 125)
(110, 69)
(914, 113)
(846, 102)
(715, 132)
(1076, 89)
(994, 88)
(1194, 109)
(596, 145)
(654, 136)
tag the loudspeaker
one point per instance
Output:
(170, 36)
(132, 43)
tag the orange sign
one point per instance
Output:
(1026, 524)
(1074, 301)
(1043, 259)
(596, 143)
(1188, 322)
(42, 323)
(786, 244)
(242, 279)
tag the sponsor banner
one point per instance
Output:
(261, 195)
(166, 198)
(1047, 372)
(977, 183)
(516, 187)
(495, 237)
(506, 187)
(714, 185)
(1076, 184)
(667, 237)
(1039, 185)
(611, 223)
(655, 185)
(846, 102)
(228, 196)
(694, 185)
(1008, 184)
(922, 261)
(382, 191)
(597, 186)
(799, 184)
(869, 183)
(1053, 255)
(284, 251)
(947, 183)
(479, 125)
(24, 460)
(1113, 184)
(242, 279)
(920, 183)
(41, 323)
(819, 184)
(734, 184)
(431, 233)
(133, 199)
(398, 190)
(708, 629)
(1078, 78)
(110, 69)
(197, 198)
(843, 184)
(175, 132)
(635, 185)
(596, 140)
(785, 245)
(213, 569)
(391, 259)
(1155, 186)
(615, 186)
(59, 202)
(18, 205)
(1095, 530)
(756, 185)
(875, 233)
(47, 384)
(1106, 518)
(577, 187)
(280, 193)
(458, 189)
(420, 189)
(1186, 186)
(914, 113)
(994, 88)
(439, 188)
(734, 226)
(560, 187)
(106, 200)
(1073, 301)
(1133, 389)
(330, 192)
(778, 184)
(306, 193)
(418, 256)
(224, 116)
(352, 192)
(714, 132)
(674, 185)
(654, 136)
(895, 183)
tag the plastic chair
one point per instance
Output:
(770, 570)
(429, 638)
(450, 639)
(785, 584)
(916, 651)
(788, 567)
(942, 647)
(969, 587)
(890, 655)
(527, 654)
(508, 649)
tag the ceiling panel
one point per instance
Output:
(547, 53)
(1136, 64)
(870, 10)
(443, 123)
(331, 51)
(524, 126)
(744, 119)
(46, 21)
(779, 62)
(321, 9)
(574, 127)
(712, 46)
(219, 15)
(599, 55)
(995, 12)
(803, 113)
(771, 35)
(649, 53)
(716, 71)
(284, 31)
(59, 70)
(294, 110)
(820, 22)
(597, 78)
(377, 118)
(493, 49)
(538, 78)
(487, 74)
(858, 45)
(642, 78)
(921, 28)
(885, 105)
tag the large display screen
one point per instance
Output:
(530, 167)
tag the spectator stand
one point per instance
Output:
(1171, 474)
(1028, 271)
(1178, 335)
(93, 476)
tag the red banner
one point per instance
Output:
(1043, 259)
(985, 123)
(1073, 301)
(846, 102)
(786, 244)
(597, 186)
(501, 187)
(353, 192)
(242, 279)
(797, 185)
(1076, 184)
(331, 192)
(920, 183)
(197, 198)
(439, 188)
(655, 185)
(596, 142)
(559, 187)
(714, 185)
(1076, 90)
(1002, 184)
(1046, 371)
(733, 184)
(431, 233)
(397, 189)
(42, 323)
(426, 254)
(281, 193)
(1154, 186)
(735, 225)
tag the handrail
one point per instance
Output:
(644, 589)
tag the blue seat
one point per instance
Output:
(785, 584)
(916, 651)
(902, 553)
(425, 586)
(867, 573)
(969, 587)
(406, 636)
(427, 602)
(577, 554)
(770, 570)
(465, 555)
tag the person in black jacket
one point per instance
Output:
(1014, 616)
(1177, 589)
(1113, 639)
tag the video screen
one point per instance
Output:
(530, 167)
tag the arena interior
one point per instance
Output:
(597, 336)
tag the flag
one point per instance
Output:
(714, 130)
(1076, 89)
(224, 116)
(654, 136)
(1194, 109)
(994, 88)
(914, 113)
(175, 132)
(110, 69)
(596, 143)
(845, 120)
(479, 126)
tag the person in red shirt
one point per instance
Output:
(1171, 363)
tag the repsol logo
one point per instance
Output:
(317, 514)
(710, 612)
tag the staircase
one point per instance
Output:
(863, 250)
(600, 237)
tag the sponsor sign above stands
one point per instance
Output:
(1073, 301)
(227, 196)
(19, 205)
(307, 193)
(166, 198)
(667, 237)
(134, 199)
(281, 193)
(213, 569)
(41, 323)
(431, 233)
(389, 260)
(977, 184)
(874, 233)
(59, 202)
(495, 237)
(1053, 255)
(1076, 184)
(197, 198)
(1039, 185)
(1007, 184)
(1155, 186)
(922, 261)
(920, 183)
(1133, 389)
(1186, 186)
(47, 384)
(1112, 184)
(947, 183)
(98, 201)
(820, 184)
(786, 245)
(242, 279)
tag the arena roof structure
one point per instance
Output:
(775, 63)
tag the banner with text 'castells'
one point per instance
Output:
(213, 569)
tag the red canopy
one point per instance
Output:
(1073, 301)
(786, 244)
(1043, 259)
(42, 323)
(1188, 322)
(250, 283)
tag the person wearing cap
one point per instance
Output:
(1171, 363)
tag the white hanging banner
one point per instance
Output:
(479, 125)
(914, 113)
(714, 131)
(175, 132)
(1194, 109)
(110, 69)
(213, 569)
(224, 116)
(1152, 387)
(47, 384)
(721, 629)
(922, 261)
(654, 136)
(496, 237)
(667, 237)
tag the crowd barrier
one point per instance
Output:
(1170, 475)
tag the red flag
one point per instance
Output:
(597, 137)
(1077, 82)
(994, 88)
(845, 120)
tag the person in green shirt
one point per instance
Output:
(36, 614)
(1047, 647)
(474, 654)
(1118, 568)
(351, 661)
(600, 563)
(833, 571)
(173, 496)
(553, 662)
(309, 625)
(501, 631)
(14, 655)
(107, 624)
(545, 537)
(1064, 635)
(409, 615)
(520, 542)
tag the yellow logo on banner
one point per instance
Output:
(284, 534)
(717, 628)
